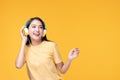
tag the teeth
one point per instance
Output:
(36, 34)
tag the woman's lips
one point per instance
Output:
(36, 34)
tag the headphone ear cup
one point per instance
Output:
(26, 31)
(44, 33)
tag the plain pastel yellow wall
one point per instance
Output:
(91, 25)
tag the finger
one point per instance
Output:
(22, 28)
(72, 50)
(75, 48)
(77, 51)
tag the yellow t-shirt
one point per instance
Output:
(41, 60)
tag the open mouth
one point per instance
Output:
(36, 34)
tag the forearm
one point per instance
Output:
(66, 66)
(20, 58)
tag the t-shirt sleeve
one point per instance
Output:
(56, 54)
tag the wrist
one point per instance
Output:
(69, 60)
(23, 42)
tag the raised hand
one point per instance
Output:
(24, 38)
(73, 53)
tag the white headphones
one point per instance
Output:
(44, 33)
(26, 30)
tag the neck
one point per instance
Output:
(34, 43)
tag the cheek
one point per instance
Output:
(30, 31)
(41, 31)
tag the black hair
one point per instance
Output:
(27, 26)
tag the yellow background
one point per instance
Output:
(91, 25)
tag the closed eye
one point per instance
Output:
(33, 26)
(41, 27)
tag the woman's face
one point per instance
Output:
(35, 30)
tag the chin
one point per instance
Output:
(37, 38)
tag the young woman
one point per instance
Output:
(41, 56)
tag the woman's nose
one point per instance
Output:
(37, 29)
